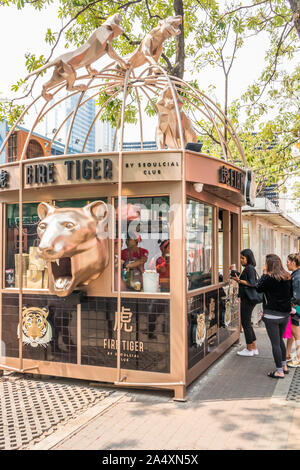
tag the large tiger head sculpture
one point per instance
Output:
(74, 242)
(36, 330)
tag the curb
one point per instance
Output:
(66, 431)
(282, 389)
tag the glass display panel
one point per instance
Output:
(199, 244)
(145, 244)
(34, 268)
(78, 202)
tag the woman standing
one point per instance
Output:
(276, 285)
(293, 264)
(247, 279)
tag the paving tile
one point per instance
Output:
(230, 407)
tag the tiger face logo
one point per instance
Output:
(36, 330)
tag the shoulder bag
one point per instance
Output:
(252, 295)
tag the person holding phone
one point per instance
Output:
(247, 278)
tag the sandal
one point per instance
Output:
(286, 372)
(273, 376)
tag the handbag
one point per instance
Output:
(252, 295)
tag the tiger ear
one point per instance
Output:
(23, 309)
(45, 310)
(45, 209)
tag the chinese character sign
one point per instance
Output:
(125, 320)
(3, 179)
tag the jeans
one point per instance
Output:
(275, 329)
(246, 312)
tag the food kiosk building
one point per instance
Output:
(115, 267)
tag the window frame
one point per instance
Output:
(128, 292)
(214, 253)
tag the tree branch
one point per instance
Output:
(150, 15)
(242, 8)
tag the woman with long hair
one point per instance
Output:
(293, 264)
(276, 285)
(247, 279)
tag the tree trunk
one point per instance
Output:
(178, 69)
(295, 6)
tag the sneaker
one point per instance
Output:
(245, 352)
(294, 363)
(255, 352)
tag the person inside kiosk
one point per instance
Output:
(133, 258)
(163, 265)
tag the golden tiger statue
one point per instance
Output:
(74, 242)
(37, 331)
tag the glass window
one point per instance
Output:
(12, 148)
(145, 244)
(78, 202)
(35, 273)
(199, 244)
(285, 246)
(246, 235)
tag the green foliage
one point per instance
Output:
(33, 63)
(296, 191)
(112, 111)
(10, 113)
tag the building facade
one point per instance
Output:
(82, 123)
(147, 145)
(3, 132)
(39, 146)
(83, 120)
(267, 229)
(105, 137)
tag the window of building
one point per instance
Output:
(246, 235)
(285, 247)
(12, 148)
(77, 202)
(145, 244)
(199, 244)
(34, 268)
(34, 149)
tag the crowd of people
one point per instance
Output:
(278, 290)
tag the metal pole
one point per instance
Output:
(120, 180)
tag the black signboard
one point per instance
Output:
(231, 177)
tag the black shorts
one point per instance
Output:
(295, 320)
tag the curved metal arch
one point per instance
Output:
(96, 117)
(146, 82)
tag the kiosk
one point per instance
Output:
(115, 266)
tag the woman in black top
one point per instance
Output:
(293, 264)
(247, 278)
(276, 285)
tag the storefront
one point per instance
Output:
(115, 266)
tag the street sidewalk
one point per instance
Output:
(234, 405)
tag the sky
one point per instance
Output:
(23, 31)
